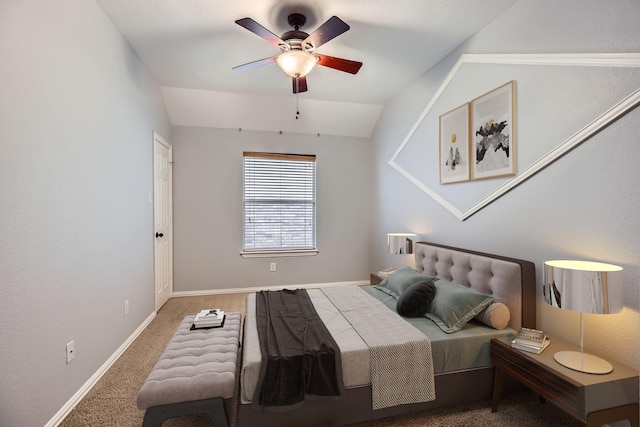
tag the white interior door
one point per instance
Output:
(163, 219)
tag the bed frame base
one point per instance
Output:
(356, 406)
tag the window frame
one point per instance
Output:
(282, 251)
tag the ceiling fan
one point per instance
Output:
(298, 55)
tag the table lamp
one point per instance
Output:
(400, 243)
(586, 287)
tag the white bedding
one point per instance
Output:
(466, 349)
(354, 351)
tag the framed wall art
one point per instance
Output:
(454, 145)
(493, 145)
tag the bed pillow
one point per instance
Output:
(454, 305)
(400, 280)
(496, 315)
(417, 298)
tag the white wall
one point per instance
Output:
(208, 210)
(583, 206)
(77, 112)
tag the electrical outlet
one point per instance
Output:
(272, 267)
(126, 307)
(71, 351)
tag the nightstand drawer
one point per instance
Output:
(538, 377)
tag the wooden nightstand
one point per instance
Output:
(594, 399)
(375, 279)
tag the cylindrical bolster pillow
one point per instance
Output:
(496, 315)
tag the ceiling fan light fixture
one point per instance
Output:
(297, 63)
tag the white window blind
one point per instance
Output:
(279, 202)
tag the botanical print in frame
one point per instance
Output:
(493, 133)
(454, 145)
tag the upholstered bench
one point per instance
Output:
(195, 373)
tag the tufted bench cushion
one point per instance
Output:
(196, 366)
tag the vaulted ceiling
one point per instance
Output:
(191, 46)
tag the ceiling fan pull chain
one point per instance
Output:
(297, 106)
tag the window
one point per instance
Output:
(279, 203)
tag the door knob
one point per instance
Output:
(159, 235)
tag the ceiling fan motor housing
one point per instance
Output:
(295, 37)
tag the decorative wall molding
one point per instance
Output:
(625, 60)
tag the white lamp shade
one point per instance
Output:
(296, 63)
(587, 287)
(584, 286)
(400, 243)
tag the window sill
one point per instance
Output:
(278, 254)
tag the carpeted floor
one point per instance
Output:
(112, 401)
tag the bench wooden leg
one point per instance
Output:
(214, 408)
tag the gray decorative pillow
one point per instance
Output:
(454, 305)
(400, 280)
(416, 299)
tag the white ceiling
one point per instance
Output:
(190, 47)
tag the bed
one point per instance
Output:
(462, 369)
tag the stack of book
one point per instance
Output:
(210, 318)
(530, 340)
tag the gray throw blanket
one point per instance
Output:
(300, 359)
(401, 358)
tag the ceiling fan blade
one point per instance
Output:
(332, 28)
(299, 84)
(259, 30)
(255, 64)
(340, 64)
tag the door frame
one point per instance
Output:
(157, 139)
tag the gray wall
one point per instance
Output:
(583, 206)
(208, 210)
(77, 113)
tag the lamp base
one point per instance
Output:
(583, 362)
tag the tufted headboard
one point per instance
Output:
(512, 281)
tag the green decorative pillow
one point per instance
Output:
(454, 305)
(415, 301)
(400, 280)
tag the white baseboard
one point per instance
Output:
(264, 288)
(80, 394)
